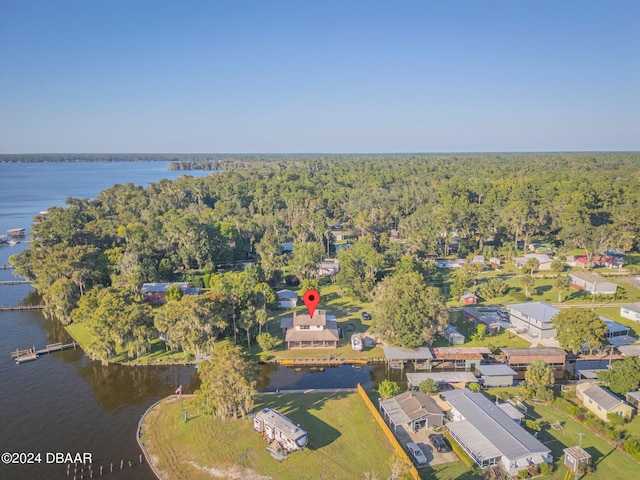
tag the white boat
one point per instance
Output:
(4, 238)
(16, 232)
(356, 341)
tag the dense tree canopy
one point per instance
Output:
(407, 311)
(623, 376)
(579, 328)
(189, 228)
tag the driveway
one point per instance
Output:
(421, 438)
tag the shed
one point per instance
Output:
(574, 457)
(633, 398)
(453, 336)
(499, 375)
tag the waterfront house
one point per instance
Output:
(533, 318)
(631, 311)
(155, 293)
(490, 435)
(287, 299)
(328, 267)
(592, 283)
(459, 357)
(602, 402)
(276, 427)
(444, 379)
(520, 358)
(413, 409)
(303, 331)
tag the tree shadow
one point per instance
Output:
(297, 407)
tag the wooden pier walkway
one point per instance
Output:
(7, 267)
(7, 308)
(30, 354)
(14, 282)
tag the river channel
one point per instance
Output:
(65, 403)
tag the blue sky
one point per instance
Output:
(319, 76)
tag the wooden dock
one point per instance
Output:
(6, 308)
(14, 282)
(30, 354)
(7, 267)
(327, 362)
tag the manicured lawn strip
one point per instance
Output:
(448, 471)
(344, 440)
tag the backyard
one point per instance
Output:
(344, 441)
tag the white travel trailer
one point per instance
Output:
(275, 426)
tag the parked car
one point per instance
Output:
(366, 316)
(438, 443)
(417, 453)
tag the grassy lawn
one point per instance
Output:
(500, 340)
(344, 441)
(609, 463)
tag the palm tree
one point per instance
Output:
(528, 281)
(561, 285)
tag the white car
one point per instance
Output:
(417, 453)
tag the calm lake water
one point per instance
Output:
(63, 402)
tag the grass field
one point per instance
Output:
(500, 340)
(344, 441)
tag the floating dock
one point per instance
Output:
(6, 308)
(22, 356)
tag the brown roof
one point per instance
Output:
(417, 404)
(319, 318)
(328, 335)
(460, 353)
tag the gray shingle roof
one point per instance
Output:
(602, 397)
(493, 426)
(397, 353)
(409, 406)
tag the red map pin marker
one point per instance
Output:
(311, 300)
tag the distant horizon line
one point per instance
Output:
(323, 153)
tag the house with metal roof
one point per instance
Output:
(459, 357)
(593, 283)
(413, 409)
(544, 261)
(533, 318)
(631, 311)
(602, 402)
(304, 331)
(498, 375)
(453, 336)
(275, 426)
(490, 436)
(617, 334)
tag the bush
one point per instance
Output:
(388, 388)
(474, 387)
(532, 425)
(545, 468)
(615, 419)
(523, 474)
(632, 448)
(428, 386)
(573, 410)
(268, 341)
(517, 296)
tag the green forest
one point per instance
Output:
(90, 259)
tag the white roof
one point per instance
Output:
(287, 294)
(495, 370)
(487, 429)
(540, 311)
(398, 353)
(634, 307)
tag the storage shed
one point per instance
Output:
(499, 375)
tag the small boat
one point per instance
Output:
(4, 238)
(16, 232)
(356, 341)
